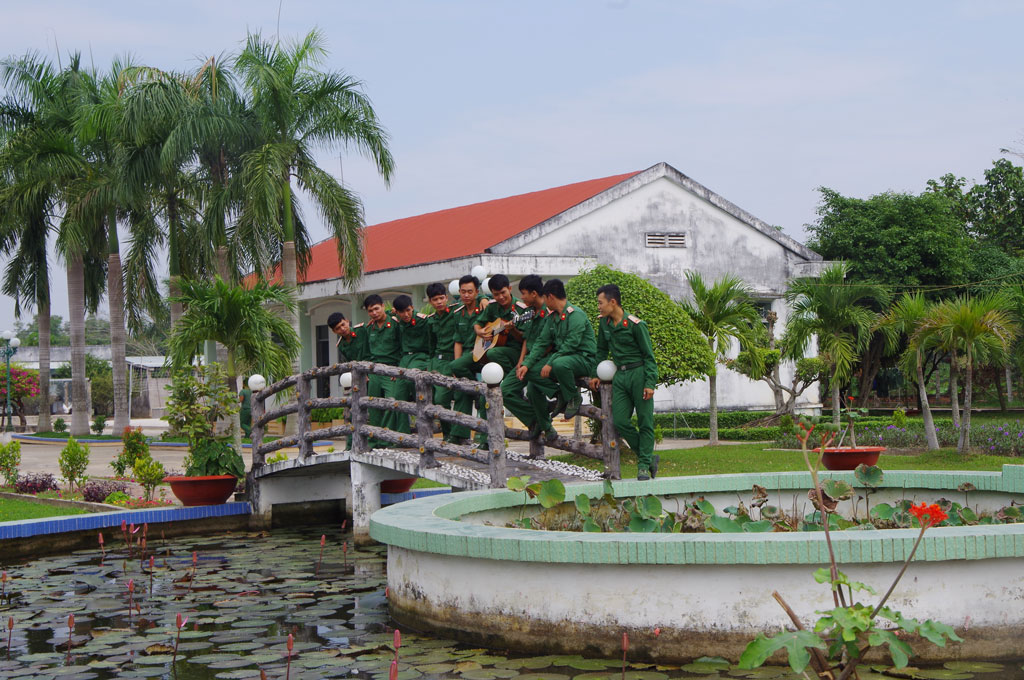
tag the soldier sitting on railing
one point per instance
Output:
(531, 323)
(415, 338)
(571, 336)
(466, 314)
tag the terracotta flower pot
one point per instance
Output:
(397, 485)
(212, 490)
(848, 457)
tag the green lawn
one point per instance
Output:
(738, 458)
(13, 509)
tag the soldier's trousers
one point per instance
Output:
(406, 389)
(565, 370)
(627, 397)
(465, 367)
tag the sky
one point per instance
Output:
(762, 101)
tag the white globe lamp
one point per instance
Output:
(7, 335)
(492, 373)
(606, 370)
(346, 380)
(257, 382)
(479, 271)
(453, 287)
(485, 286)
(15, 342)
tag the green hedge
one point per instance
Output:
(326, 415)
(702, 418)
(737, 434)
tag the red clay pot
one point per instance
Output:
(848, 458)
(212, 490)
(397, 485)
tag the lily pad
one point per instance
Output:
(975, 666)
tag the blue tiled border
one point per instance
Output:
(392, 498)
(102, 520)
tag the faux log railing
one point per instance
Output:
(358, 404)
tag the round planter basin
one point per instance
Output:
(848, 457)
(212, 490)
(397, 485)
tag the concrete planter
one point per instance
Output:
(454, 567)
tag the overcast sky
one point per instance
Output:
(760, 101)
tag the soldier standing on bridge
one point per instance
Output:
(629, 341)
(466, 314)
(351, 345)
(570, 333)
(384, 346)
(415, 335)
(442, 346)
(531, 324)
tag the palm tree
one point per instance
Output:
(25, 224)
(979, 328)
(238, 317)
(299, 110)
(722, 312)
(903, 320)
(837, 312)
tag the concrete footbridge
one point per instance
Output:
(355, 475)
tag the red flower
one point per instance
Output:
(928, 515)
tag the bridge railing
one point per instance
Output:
(359, 403)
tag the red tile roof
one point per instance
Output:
(456, 232)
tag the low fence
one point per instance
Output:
(359, 403)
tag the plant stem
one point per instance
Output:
(818, 659)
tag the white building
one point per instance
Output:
(657, 223)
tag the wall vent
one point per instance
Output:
(661, 239)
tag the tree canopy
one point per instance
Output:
(681, 351)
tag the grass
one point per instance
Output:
(742, 458)
(15, 509)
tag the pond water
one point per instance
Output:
(250, 590)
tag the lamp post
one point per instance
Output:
(11, 344)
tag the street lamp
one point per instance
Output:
(11, 345)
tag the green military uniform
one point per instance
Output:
(465, 317)
(245, 410)
(442, 352)
(352, 347)
(572, 357)
(630, 344)
(531, 325)
(384, 346)
(416, 345)
(507, 356)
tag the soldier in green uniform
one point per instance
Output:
(531, 324)
(569, 331)
(442, 345)
(384, 346)
(508, 309)
(466, 315)
(351, 345)
(415, 335)
(629, 342)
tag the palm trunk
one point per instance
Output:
(224, 272)
(965, 421)
(118, 337)
(43, 423)
(236, 419)
(926, 411)
(954, 389)
(713, 416)
(174, 258)
(1000, 395)
(76, 309)
(289, 273)
(835, 401)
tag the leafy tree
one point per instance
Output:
(996, 207)
(893, 239)
(837, 313)
(238, 317)
(31, 333)
(979, 329)
(299, 111)
(680, 350)
(722, 312)
(25, 385)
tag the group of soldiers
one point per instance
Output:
(547, 345)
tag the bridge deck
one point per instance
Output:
(452, 471)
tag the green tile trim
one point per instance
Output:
(431, 525)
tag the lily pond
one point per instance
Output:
(239, 597)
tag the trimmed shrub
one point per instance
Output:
(60, 425)
(136, 446)
(37, 482)
(10, 461)
(736, 434)
(97, 490)
(149, 473)
(73, 460)
(726, 419)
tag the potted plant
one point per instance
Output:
(212, 471)
(841, 457)
(197, 403)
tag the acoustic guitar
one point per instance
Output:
(500, 330)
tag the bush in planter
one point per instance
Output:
(210, 457)
(97, 490)
(10, 460)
